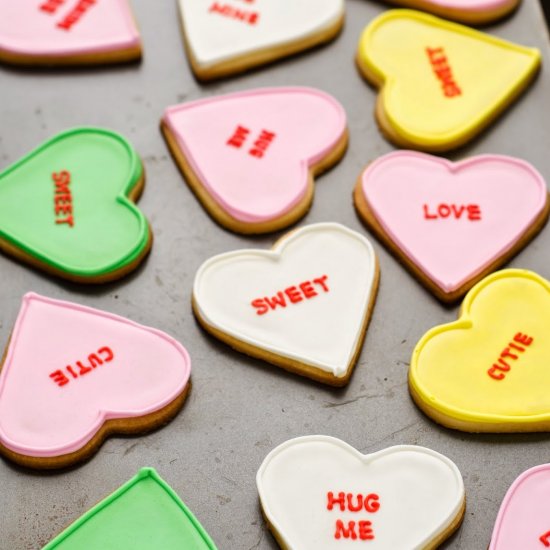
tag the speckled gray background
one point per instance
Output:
(240, 408)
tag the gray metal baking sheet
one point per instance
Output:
(240, 408)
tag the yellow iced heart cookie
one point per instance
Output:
(489, 371)
(440, 83)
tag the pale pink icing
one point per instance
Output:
(41, 419)
(308, 123)
(25, 29)
(471, 5)
(523, 517)
(509, 191)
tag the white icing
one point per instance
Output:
(420, 493)
(323, 331)
(214, 38)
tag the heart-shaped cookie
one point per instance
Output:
(67, 32)
(73, 375)
(523, 521)
(452, 223)
(144, 513)
(229, 36)
(440, 83)
(250, 157)
(304, 306)
(318, 492)
(488, 371)
(67, 207)
(474, 12)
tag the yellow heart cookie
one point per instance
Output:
(441, 83)
(489, 371)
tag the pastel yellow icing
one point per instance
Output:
(450, 375)
(489, 73)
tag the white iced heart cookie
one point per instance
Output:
(229, 36)
(317, 492)
(304, 305)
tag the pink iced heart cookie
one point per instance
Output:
(523, 520)
(70, 32)
(317, 492)
(452, 223)
(475, 12)
(250, 157)
(73, 375)
(224, 37)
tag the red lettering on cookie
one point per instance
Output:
(471, 212)
(345, 502)
(50, 6)
(76, 14)
(443, 72)
(262, 144)
(63, 198)
(342, 531)
(291, 295)
(545, 539)
(238, 137)
(103, 355)
(250, 17)
(501, 366)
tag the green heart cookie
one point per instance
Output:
(67, 207)
(144, 514)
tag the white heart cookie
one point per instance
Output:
(303, 305)
(317, 492)
(227, 36)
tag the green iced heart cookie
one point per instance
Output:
(67, 207)
(144, 514)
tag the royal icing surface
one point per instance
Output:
(318, 492)
(61, 28)
(74, 189)
(253, 150)
(489, 369)
(70, 368)
(453, 219)
(218, 31)
(144, 513)
(305, 300)
(523, 520)
(443, 82)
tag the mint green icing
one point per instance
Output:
(109, 231)
(144, 514)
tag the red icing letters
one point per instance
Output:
(63, 201)
(250, 17)
(519, 344)
(50, 6)
(74, 16)
(103, 355)
(442, 70)
(471, 212)
(349, 502)
(545, 539)
(260, 145)
(291, 295)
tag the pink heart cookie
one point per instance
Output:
(57, 32)
(523, 520)
(72, 375)
(452, 224)
(475, 12)
(251, 156)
